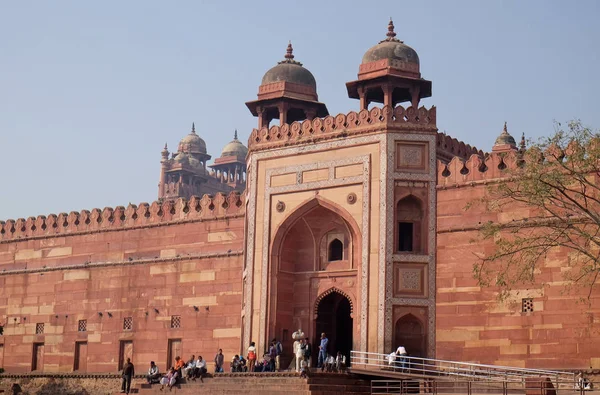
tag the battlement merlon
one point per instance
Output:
(449, 147)
(180, 210)
(353, 123)
(477, 168)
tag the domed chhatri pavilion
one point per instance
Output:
(353, 225)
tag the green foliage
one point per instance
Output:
(557, 180)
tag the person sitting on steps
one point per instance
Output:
(199, 369)
(169, 380)
(153, 376)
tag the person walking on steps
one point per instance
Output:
(128, 373)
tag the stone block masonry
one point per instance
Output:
(72, 297)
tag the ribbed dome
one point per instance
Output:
(391, 48)
(192, 143)
(290, 70)
(505, 138)
(235, 148)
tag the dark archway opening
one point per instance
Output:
(333, 318)
(336, 250)
(409, 333)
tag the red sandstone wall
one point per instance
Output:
(168, 257)
(471, 324)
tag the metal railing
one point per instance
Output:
(453, 370)
(435, 387)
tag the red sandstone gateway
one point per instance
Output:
(351, 225)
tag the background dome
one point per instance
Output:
(235, 148)
(391, 48)
(290, 70)
(505, 138)
(192, 143)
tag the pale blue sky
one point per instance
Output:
(91, 90)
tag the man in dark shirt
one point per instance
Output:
(128, 373)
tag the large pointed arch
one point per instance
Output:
(304, 208)
(330, 291)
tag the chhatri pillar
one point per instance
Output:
(288, 92)
(389, 74)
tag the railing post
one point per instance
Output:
(504, 388)
(468, 388)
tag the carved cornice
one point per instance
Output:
(341, 125)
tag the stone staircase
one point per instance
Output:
(265, 384)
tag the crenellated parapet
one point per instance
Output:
(144, 214)
(477, 168)
(449, 147)
(399, 118)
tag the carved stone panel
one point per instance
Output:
(409, 279)
(411, 156)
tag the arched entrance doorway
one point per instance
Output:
(409, 332)
(334, 317)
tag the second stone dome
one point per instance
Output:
(289, 70)
(391, 48)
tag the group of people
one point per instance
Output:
(196, 368)
(193, 369)
(270, 362)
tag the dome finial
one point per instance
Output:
(505, 130)
(289, 53)
(391, 34)
(235, 135)
(165, 147)
(523, 145)
(193, 128)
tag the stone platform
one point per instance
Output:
(265, 384)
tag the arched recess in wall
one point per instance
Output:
(411, 235)
(296, 240)
(303, 209)
(409, 332)
(335, 250)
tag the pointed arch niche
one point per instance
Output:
(410, 330)
(410, 229)
(315, 247)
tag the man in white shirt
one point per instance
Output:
(200, 369)
(401, 356)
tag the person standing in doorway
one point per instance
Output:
(279, 351)
(219, 359)
(323, 351)
(307, 352)
(251, 357)
(128, 373)
(272, 355)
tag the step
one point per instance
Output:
(289, 383)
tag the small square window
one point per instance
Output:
(128, 323)
(82, 327)
(527, 305)
(39, 329)
(175, 321)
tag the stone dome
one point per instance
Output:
(235, 148)
(290, 70)
(181, 157)
(505, 138)
(391, 48)
(192, 143)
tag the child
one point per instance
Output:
(330, 363)
(303, 369)
(169, 380)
